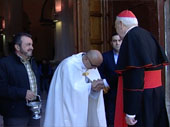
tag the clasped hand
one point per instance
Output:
(30, 95)
(130, 120)
(97, 85)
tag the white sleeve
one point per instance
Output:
(130, 116)
(94, 94)
(105, 83)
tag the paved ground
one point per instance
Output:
(43, 98)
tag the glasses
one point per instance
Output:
(92, 65)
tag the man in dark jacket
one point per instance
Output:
(107, 72)
(19, 84)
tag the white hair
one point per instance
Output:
(128, 21)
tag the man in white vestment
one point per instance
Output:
(75, 96)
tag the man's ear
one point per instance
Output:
(121, 24)
(17, 47)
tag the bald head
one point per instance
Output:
(94, 57)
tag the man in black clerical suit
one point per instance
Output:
(107, 72)
(140, 62)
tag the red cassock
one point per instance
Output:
(119, 114)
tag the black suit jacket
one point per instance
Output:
(14, 83)
(107, 71)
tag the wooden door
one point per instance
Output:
(148, 12)
(96, 20)
(93, 29)
(97, 29)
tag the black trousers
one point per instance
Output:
(21, 122)
(110, 102)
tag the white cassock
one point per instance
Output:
(71, 103)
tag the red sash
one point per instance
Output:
(152, 79)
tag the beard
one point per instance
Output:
(26, 53)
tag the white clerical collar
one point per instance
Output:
(130, 29)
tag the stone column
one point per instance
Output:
(167, 46)
(64, 32)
